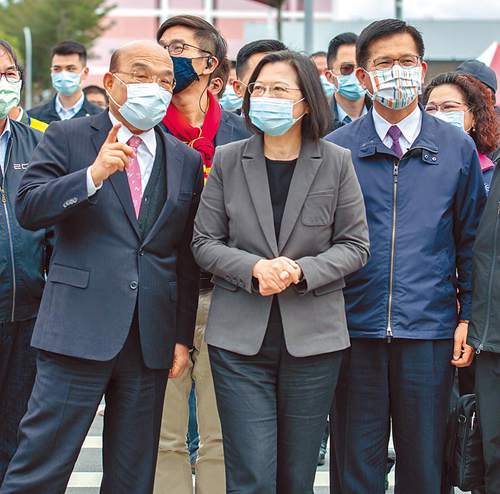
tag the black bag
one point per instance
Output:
(465, 464)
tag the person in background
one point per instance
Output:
(68, 71)
(424, 196)
(229, 100)
(486, 76)
(196, 118)
(350, 100)
(319, 59)
(247, 59)
(122, 195)
(463, 101)
(280, 224)
(96, 96)
(23, 263)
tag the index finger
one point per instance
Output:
(113, 133)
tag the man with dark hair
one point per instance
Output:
(319, 59)
(196, 118)
(97, 96)
(247, 59)
(349, 101)
(424, 195)
(68, 71)
(23, 263)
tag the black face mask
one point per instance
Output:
(184, 73)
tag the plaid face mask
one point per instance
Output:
(397, 87)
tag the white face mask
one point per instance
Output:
(146, 104)
(397, 87)
(456, 118)
(10, 95)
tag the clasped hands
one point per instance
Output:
(276, 275)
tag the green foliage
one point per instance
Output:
(51, 21)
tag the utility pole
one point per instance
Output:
(28, 68)
(308, 26)
(399, 9)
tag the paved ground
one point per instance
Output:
(87, 475)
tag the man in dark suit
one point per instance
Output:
(121, 297)
(195, 117)
(68, 71)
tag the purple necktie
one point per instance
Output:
(395, 133)
(134, 175)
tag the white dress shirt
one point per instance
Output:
(68, 113)
(410, 128)
(341, 113)
(146, 153)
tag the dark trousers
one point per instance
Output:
(273, 408)
(407, 383)
(17, 375)
(488, 398)
(61, 409)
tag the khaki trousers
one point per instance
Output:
(173, 470)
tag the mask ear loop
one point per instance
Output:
(111, 97)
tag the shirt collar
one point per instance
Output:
(341, 114)
(72, 109)
(124, 134)
(6, 131)
(410, 126)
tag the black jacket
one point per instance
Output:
(47, 113)
(484, 327)
(23, 254)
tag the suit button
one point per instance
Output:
(133, 285)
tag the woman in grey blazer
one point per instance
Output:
(280, 224)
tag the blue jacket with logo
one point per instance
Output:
(24, 254)
(423, 211)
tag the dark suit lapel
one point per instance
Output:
(174, 163)
(225, 131)
(307, 167)
(254, 167)
(119, 180)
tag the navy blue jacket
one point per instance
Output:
(101, 269)
(23, 254)
(46, 112)
(422, 213)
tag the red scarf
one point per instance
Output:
(201, 139)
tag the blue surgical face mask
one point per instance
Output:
(328, 88)
(273, 116)
(184, 73)
(455, 118)
(66, 83)
(350, 88)
(230, 101)
(146, 104)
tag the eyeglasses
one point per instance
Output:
(11, 75)
(446, 107)
(347, 68)
(177, 48)
(145, 78)
(276, 90)
(407, 61)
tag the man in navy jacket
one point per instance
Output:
(424, 195)
(120, 303)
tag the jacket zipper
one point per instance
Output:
(3, 192)
(490, 282)
(395, 174)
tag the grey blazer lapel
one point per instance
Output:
(307, 167)
(254, 167)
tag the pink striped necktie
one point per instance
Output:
(134, 175)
